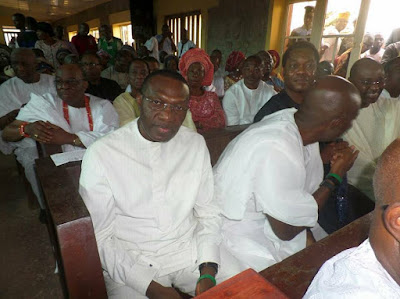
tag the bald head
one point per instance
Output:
(387, 176)
(23, 62)
(329, 107)
(368, 76)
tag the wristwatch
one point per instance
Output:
(209, 264)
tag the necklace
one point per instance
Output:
(88, 112)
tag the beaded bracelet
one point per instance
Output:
(22, 130)
(212, 278)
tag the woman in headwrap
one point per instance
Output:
(196, 67)
(232, 66)
(267, 64)
(277, 60)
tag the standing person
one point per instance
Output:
(375, 52)
(196, 67)
(217, 84)
(59, 32)
(245, 98)
(98, 86)
(304, 32)
(233, 67)
(48, 44)
(269, 179)
(108, 42)
(165, 41)
(151, 45)
(185, 44)
(28, 38)
(328, 51)
(165, 235)
(370, 270)
(84, 42)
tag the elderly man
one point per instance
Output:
(377, 125)
(84, 42)
(245, 98)
(15, 92)
(372, 269)
(69, 118)
(269, 180)
(98, 86)
(119, 71)
(166, 233)
(108, 42)
(299, 66)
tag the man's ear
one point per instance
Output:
(391, 219)
(139, 99)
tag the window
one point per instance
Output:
(124, 32)
(9, 33)
(71, 34)
(95, 33)
(190, 21)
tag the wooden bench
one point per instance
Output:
(294, 274)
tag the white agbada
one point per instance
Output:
(331, 51)
(152, 45)
(183, 49)
(354, 273)
(151, 207)
(48, 107)
(14, 93)
(267, 170)
(373, 130)
(241, 104)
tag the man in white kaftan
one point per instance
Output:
(16, 92)
(270, 173)
(371, 270)
(149, 188)
(245, 98)
(83, 124)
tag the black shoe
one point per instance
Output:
(42, 216)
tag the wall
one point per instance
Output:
(164, 8)
(103, 13)
(238, 25)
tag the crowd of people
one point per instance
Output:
(164, 219)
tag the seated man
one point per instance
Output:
(377, 125)
(98, 86)
(299, 64)
(370, 270)
(166, 233)
(269, 180)
(69, 118)
(245, 98)
(119, 71)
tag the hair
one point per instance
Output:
(162, 73)
(46, 28)
(388, 66)
(19, 15)
(300, 45)
(122, 53)
(150, 59)
(86, 54)
(142, 60)
(170, 57)
(253, 57)
(216, 51)
(31, 23)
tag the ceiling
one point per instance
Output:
(47, 10)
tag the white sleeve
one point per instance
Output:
(207, 212)
(124, 267)
(230, 108)
(106, 122)
(279, 185)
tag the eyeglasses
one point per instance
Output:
(69, 82)
(92, 64)
(370, 82)
(159, 105)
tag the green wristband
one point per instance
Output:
(209, 277)
(336, 176)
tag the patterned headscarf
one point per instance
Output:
(276, 57)
(233, 61)
(197, 55)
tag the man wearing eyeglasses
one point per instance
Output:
(371, 270)
(149, 189)
(69, 118)
(98, 86)
(376, 126)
